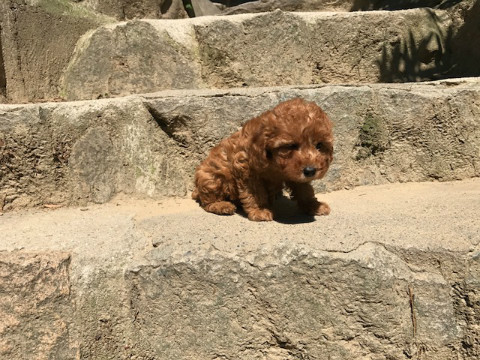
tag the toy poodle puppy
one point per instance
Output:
(288, 146)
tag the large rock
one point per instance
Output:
(85, 152)
(151, 9)
(218, 51)
(287, 5)
(295, 303)
(258, 50)
(130, 58)
(175, 9)
(80, 152)
(37, 39)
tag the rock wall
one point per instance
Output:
(80, 152)
(219, 52)
(271, 49)
(38, 39)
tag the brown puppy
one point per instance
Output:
(290, 145)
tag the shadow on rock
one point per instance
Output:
(465, 45)
(420, 56)
(438, 49)
(364, 5)
(285, 212)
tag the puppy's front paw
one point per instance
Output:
(315, 207)
(323, 209)
(260, 215)
(221, 208)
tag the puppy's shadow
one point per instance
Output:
(286, 211)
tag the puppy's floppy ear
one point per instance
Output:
(258, 152)
(258, 132)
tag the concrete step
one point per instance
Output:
(88, 151)
(270, 49)
(392, 272)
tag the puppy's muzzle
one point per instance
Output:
(309, 171)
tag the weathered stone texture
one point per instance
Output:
(257, 50)
(293, 304)
(243, 50)
(140, 59)
(75, 153)
(392, 272)
(241, 7)
(35, 306)
(37, 40)
(132, 9)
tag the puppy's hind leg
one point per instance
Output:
(211, 195)
(216, 205)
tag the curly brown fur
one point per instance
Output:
(288, 146)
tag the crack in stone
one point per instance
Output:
(175, 127)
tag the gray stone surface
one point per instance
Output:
(392, 271)
(37, 39)
(325, 47)
(140, 59)
(81, 152)
(35, 305)
(254, 50)
(174, 9)
(219, 51)
(205, 8)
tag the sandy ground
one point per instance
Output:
(425, 216)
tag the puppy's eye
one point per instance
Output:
(290, 146)
(321, 146)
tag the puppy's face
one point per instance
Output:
(298, 142)
(301, 156)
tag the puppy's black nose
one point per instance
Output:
(309, 171)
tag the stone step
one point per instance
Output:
(392, 272)
(398, 46)
(270, 49)
(88, 151)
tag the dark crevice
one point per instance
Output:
(3, 77)
(366, 5)
(284, 343)
(160, 119)
(187, 4)
(175, 127)
(165, 6)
